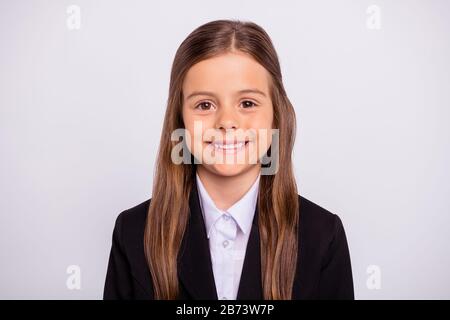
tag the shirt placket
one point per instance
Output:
(225, 235)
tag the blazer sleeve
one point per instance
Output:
(118, 283)
(336, 281)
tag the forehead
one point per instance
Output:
(227, 73)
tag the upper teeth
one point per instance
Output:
(229, 146)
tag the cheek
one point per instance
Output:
(263, 124)
(188, 122)
(196, 129)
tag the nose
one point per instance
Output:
(227, 120)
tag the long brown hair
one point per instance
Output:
(278, 205)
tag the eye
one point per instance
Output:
(205, 106)
(247, 104)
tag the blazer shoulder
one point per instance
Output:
(324, 247)
(127, 274)
(136, 213)
(131, 222)
(317, 222)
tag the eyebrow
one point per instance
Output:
(208, 93)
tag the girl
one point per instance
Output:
(225, 220)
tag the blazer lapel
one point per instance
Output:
(250, 286)
(194, 265)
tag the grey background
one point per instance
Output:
(82, 110)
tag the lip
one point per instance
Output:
(227, 141)
(228, 146)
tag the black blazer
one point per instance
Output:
(323, 266)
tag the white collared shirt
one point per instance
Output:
(228, 232)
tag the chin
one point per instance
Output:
(229, 170)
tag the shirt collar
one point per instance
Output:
(242, 211)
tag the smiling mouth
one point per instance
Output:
(228, 147)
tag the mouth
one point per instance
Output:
(228, 146)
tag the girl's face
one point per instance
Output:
(228, 112)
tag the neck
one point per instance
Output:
(227, 190)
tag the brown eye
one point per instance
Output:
(247, 104)
(205, 106)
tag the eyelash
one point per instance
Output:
(198, 105)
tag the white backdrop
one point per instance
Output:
(82, 100)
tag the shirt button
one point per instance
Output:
(225, 243)
(226, 217)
